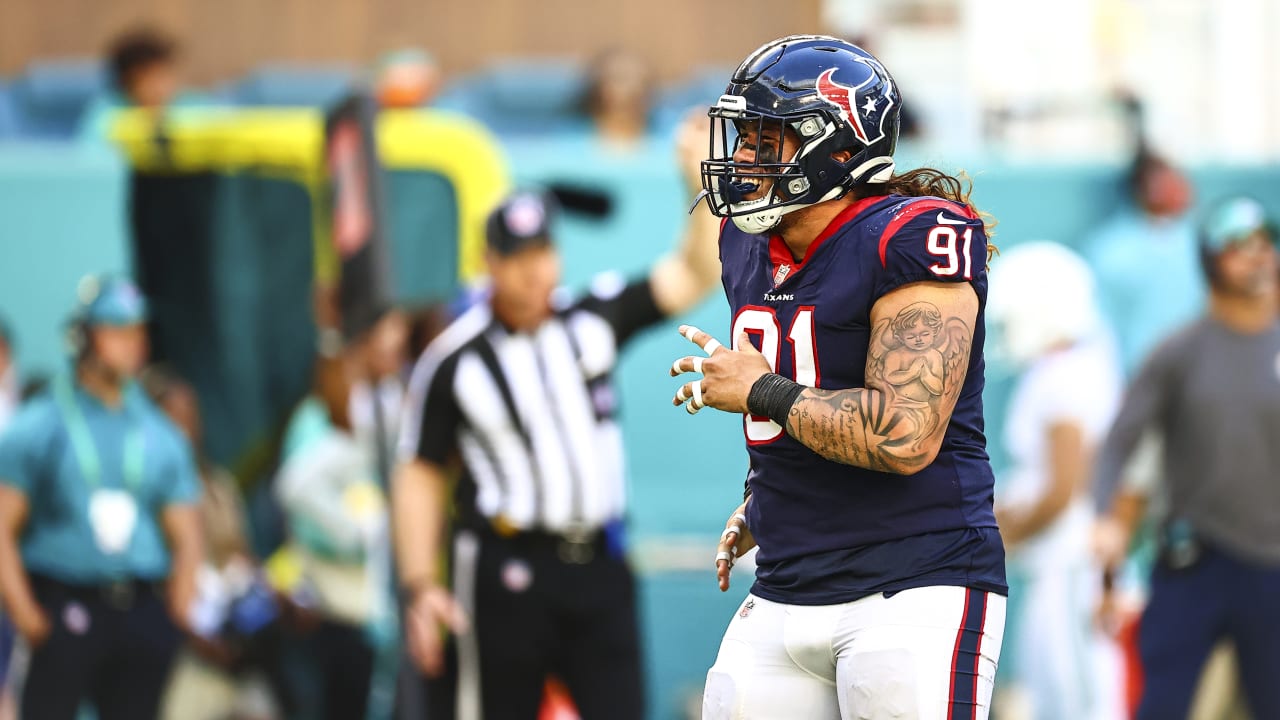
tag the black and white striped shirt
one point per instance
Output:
(531, 415)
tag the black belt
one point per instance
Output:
(573, 547)
(119, 594)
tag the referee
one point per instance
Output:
(516, 395)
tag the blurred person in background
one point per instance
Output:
(1152, 230)
(1048, 326)
(1212, 392)
(10, 388)
(330, 489)
(405, 79)
(10, 398)
(143, 72)
(377, 392)
(425, 323)
(101, 532)
(211, 678)
(618, 96)
(516, 397)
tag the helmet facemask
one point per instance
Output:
(812, 175)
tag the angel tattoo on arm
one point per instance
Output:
(912, 354)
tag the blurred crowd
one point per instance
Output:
(1098, 523)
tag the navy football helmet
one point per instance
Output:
(833, 96)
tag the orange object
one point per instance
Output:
(556, 703)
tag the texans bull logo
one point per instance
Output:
(871, 112)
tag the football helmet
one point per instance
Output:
(1041, 294)
(833, 96)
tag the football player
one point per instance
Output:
(856, 361)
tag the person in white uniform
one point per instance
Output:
(1048, 326)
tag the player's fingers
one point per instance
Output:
(745, 345)
(682, 395)
(723, 569)
(736, 523)
(690, 392)
(708, 344)
(450, 613)
(425, 645)
(688, 363)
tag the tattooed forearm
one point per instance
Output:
(851, 427)
(916, 366)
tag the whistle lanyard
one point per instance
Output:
(86, 450)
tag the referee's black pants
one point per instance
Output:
(112, 645)
(543, 607)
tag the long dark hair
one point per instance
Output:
(931, 182)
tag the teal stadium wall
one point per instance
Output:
(62, 214)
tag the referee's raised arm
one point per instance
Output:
(682, 279)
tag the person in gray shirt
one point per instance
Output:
(1212, 392)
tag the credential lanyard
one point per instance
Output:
(86, 450)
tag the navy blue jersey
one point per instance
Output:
(830, 532)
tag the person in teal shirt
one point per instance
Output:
(99, 528)
(1151, 235)
(144, 74)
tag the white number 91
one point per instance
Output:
(942, 243)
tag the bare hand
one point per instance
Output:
(33, 625)
(432, 609)
(727, 375)
(735, 541)
(181, 597)
(215, 651)
(691, 146)
(1110, 541)
(1009, 520)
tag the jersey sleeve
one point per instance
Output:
(430, 432)
(930, 239)
(627, 306)
(183, 486)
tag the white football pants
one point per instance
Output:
(923, 654)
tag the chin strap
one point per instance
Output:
(704, 195)
(758, 223)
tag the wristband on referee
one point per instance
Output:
(772, 396)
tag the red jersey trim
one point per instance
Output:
(914, 210)
(780, 254)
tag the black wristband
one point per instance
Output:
(772, 396)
